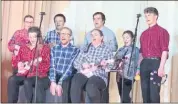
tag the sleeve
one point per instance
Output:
(19, 59)
(52, 70)
(78, 61)
(109, 56)
(164, 41)
(113, 42)
(85, 39)
(140, 50)
(136, 56)
(120, 53)
(46, 40)
(69, 69)
(45, 63)
(11, 43)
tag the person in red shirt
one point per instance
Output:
(19, 38)
(154, 43)
(28, 61)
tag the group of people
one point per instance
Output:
(67, 70)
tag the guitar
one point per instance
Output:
(24, 66)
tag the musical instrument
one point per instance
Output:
(23, 66)
(155, 79)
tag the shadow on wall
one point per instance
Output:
(174, 77)
(5, 73)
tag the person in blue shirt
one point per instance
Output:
(52, 37)
(109, 39)
(109, 36)
(124, 80)
(61, 68)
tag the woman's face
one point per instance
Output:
(127, 39)
(32, 38)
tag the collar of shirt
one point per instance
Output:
(101, 45)
(154, 26)
(69, 45)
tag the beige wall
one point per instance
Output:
(120, 15)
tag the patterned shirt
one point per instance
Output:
(94, 55)
(26, 55)
(109, 38)
(52, 37)
(61, 61)
(20, 38)
(125, 53)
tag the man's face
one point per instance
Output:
(28, 22)
(65, 36)
(98, 22)
(151, 18)
(59, 22)
(96, 37)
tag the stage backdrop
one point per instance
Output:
(120, 16)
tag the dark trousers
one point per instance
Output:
(41, 86)
(66, 88)
(93, 86)
(150, 91)
(127, 86)
(14, 82)
(106, 92)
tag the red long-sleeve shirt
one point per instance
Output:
(20, 38)
(154, 41)
(26, 54)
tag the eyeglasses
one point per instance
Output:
(65, 34)
(28, 22)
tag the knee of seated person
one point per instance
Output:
(75, 79)
(11, 79)
(91, 90)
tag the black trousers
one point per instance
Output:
(42, 85)
(66, 84)
(150, 91)
(106, 91)
(14, 82)
(93, 86)
(127, 87)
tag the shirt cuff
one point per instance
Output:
(165, 49)
(52, 80)
(60, 83)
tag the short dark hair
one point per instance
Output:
(27, 16)
(60, 15)
(129, 32)
(100, 32)
(102, 16)
(151, 10)
(36, 30)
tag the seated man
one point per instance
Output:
(31, 59)
(62, 57)
(91, 66)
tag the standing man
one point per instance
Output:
(153, 55)
(20, 38)
(109, 36)
(52, 37)
(61, 70)
(109, 39)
